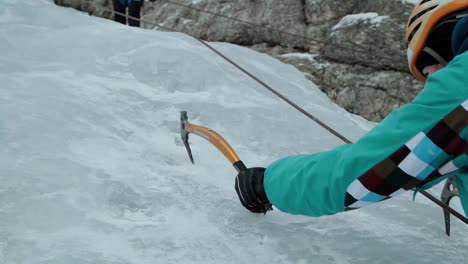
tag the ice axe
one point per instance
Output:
(222, 145)
(213, 137)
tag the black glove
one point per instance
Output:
(249, 188)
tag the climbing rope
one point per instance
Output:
(361, 52)
(262, 83)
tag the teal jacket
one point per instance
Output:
(421, 143)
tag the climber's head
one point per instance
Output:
(429, 34)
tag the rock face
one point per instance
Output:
(360, 54)
(95, 7)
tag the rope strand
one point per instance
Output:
(361, 52)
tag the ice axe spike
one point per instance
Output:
(448, 193)
(213, 137)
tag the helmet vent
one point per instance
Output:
(414, 32)
(420, 14)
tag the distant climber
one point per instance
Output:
(133, 6)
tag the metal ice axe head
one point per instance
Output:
(449, 191)
(184, 134)
(214, 138)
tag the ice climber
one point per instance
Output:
(134, 7)
(414, 147)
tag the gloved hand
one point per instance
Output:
(249, 188)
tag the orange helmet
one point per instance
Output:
(434, 18)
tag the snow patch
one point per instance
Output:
(307, 56)
(413, 2)
(197, 1)
(350, 20)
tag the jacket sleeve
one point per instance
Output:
(382, 164)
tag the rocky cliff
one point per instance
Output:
(356, 48)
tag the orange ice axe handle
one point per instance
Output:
(213, 137)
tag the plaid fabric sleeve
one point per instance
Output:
(440, 150)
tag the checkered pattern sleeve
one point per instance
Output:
(436, 152)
